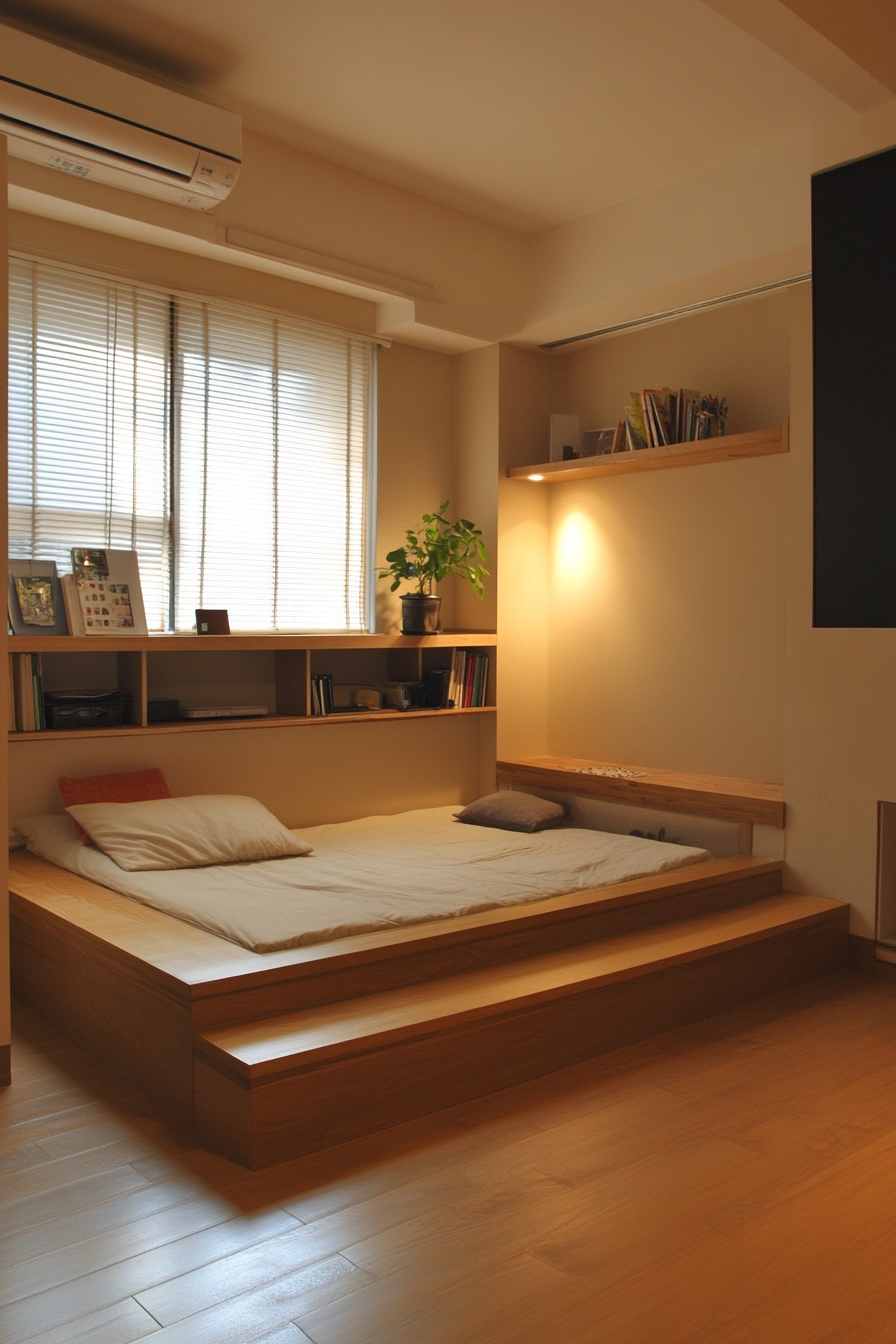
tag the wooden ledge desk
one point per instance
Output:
(746, 801)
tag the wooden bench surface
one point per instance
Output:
(703, 795)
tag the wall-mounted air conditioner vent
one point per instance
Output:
(78, 116)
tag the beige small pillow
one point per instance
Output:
(186, 832)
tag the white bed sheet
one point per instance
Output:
(372, 874)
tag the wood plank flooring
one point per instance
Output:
(730, 1182)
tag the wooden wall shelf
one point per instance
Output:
(741, 800)
(728, 448)
(291, 663)
(190, 643)
(221, 725)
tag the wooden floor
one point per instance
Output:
(730, 1182)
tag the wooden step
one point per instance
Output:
(270, 1090)
(134, 985)
(371, 963)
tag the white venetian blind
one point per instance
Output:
(88, 422)
(273, 443)
(230, 447)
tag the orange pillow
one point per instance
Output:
(127, 786)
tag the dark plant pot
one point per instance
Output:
(420, 615)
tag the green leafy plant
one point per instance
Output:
(435, 550)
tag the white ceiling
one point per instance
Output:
(527, 112)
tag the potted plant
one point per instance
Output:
(438, 548)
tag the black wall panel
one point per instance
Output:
(854, 303)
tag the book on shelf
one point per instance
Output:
(659, 417)
(322, 702)
(72, 605)
(468, 686)
(635, 427)
(456, 680)
(463, 682)
(688, 399)
(107, 585)
(469, 680)
(35, 601)
(10, 694)
(26, 699)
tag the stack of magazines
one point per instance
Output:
(658, 417)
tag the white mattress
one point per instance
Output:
(376, 873)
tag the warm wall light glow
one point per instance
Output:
(534, 477)
(577, 548)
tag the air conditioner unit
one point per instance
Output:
(75, 115)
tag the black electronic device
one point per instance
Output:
(87, 709)
(162, 711)
(435, 688)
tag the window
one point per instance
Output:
(229, 446)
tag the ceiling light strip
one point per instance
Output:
(698, 307)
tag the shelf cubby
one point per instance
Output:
(270, 669)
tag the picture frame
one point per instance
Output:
(34, 598)
(598, 442)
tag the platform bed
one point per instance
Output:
(275, 1055)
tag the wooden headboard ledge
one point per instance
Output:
(741, 800)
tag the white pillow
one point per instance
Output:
(186, 832)
(50, 837)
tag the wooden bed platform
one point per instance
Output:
(273, 1056)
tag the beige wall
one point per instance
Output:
(667, 619)
(478, 375)
(528, 394)
(134, 260)
(473, 273)
(641, 618)
(416, 451)
(741, 351)
(477, 269)
(305, 775)
(667, 589)
(721, 230)
(678, 604)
